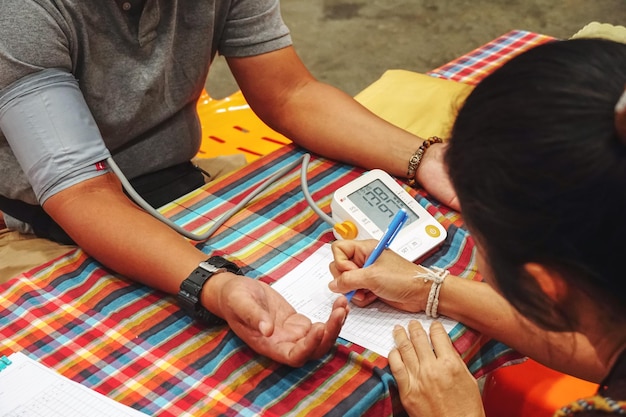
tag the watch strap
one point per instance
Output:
(191, 288)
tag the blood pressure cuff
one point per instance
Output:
(51, 131)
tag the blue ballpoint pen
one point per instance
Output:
(394, 227)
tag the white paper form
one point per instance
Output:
(30, 389)
(306, 289)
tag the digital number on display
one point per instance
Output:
(379, 204)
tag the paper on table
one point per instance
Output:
(28, 388)
(306, 289)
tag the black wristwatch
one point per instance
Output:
(191, 287)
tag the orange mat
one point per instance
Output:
(229, 126)
(531, 389)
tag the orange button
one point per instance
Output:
(346, 230)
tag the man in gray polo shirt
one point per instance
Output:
(81, 80)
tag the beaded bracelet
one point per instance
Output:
(416, 158)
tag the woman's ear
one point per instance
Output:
(550, 282)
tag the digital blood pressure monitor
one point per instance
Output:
(365, 207)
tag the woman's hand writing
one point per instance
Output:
(391, 278)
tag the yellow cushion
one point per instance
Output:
(422, 104)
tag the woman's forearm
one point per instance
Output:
(479, 306)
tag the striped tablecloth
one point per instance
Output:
(134, 344)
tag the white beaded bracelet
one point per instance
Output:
(436, 275)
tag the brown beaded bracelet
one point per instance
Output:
(416, 158)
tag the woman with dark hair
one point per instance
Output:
(537, 157)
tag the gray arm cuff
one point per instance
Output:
(51, 131)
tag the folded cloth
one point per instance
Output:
(20, 252)
(220, 165)
(602, 30)
(421, 104)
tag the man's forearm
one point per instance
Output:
(108, 226)
(319, 117)
(343, 129)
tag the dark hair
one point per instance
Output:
(540, 173)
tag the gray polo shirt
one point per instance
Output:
(140, 76)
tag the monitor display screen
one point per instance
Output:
(379, 204)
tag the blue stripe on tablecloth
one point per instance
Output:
(278, 385)
(163, 330)
(367, 394)
(120, 298)
(75, 278)
(492, 349)
(227, 347)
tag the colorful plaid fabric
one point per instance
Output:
(473, 66)
(134, 344)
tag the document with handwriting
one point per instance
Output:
(28, 388)
(306, 289)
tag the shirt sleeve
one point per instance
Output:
(254, 28)
(41, 39)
